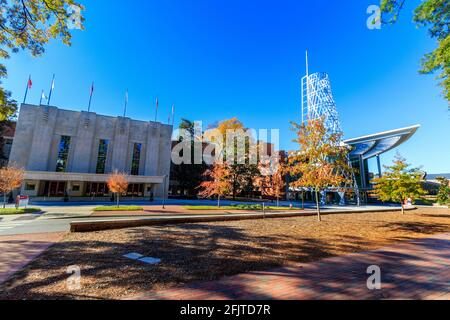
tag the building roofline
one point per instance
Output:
(403, 135)
(90, 112)
(384, 134)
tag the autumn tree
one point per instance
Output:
(434, 14)
(322, 160)
(118, 184)
(242, 169)
(11, 178)
(399, 183)
(217, 182)
(29, 25)
(271, 181)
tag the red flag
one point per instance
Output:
(30, 83)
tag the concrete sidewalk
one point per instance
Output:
(131, 219)
(418, 269)
(18, 250)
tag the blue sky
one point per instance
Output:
(217, 59)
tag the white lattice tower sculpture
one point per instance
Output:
(318, 102)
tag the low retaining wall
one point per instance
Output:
(110, 224)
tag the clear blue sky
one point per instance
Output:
(216, 59)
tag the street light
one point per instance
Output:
(164, 193)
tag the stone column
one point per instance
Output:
(84, 143)
(120, 149)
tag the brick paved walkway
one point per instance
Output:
(418, 269)
(18, 250)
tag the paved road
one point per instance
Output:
(58, 216)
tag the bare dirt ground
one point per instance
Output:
(208, 251)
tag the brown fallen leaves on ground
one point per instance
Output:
(208, 251)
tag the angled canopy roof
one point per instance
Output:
(373, 145)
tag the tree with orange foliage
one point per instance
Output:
(322, 160)
(11, 178)
(118, 184)
(272, 180)
(218, 183)
(235, 145)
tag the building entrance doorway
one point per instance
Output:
(94, 189)
(54, 188)
(135, 190)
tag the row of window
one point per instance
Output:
(92, 189)
(63, 156)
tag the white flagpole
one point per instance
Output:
(173, 115)
(26, 91)
(90, 97)
(156, 113)
(51, 90)
(126, 104)
(42, 97)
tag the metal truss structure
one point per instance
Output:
(318, 102)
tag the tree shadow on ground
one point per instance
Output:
(194, 253)
(436, 215)
(189, 253)
(417, 227)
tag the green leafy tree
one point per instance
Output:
(399, 183)
(443, 196)
(29, 25)
(321, 162)
(3, 127)
(190, 176)
(434, 14)
(242, 172)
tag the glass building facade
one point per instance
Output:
(63, 154)
(136, 159)
(102, 156)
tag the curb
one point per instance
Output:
(100, 225)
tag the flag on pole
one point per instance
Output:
(126, 104)
(173, 115)
(43, 97)
(90, 96)
(156, 113)
(29, 86)
(51, 90)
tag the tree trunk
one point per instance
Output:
(403, 208)
(303, 200)
(4, 200)
(278, 202)
(218, 201)
(319, 218)
(118, 199)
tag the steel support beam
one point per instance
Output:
(379, 166)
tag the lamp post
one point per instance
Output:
(164, 193)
